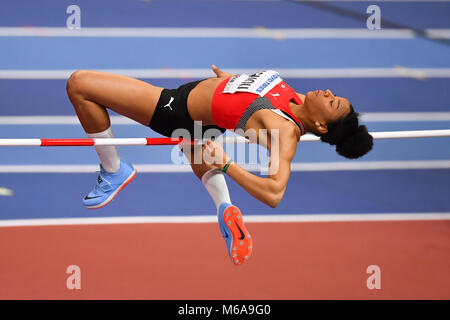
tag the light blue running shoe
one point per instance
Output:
(238, 239)
(109, 185)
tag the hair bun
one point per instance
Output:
(356, 144)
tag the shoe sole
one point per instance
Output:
(240, 249)
(114, 194)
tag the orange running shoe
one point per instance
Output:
(238, 239)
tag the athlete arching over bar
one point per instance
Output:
(259, 101)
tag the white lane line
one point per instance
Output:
(371, 165)
(404, 1)
(295, 167)
(246, 33)
(404, 116)
(306, 73)
(259, 32)
(256, 32)
(213, 219)
(59, 120)
(120, 120)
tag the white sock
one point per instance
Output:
(109, 157)
(214, 182)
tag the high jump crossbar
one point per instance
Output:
(381, 135)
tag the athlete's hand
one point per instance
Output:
(214, 154)
(220, 73)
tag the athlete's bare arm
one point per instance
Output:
(268, 190)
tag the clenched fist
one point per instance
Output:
(214, 154)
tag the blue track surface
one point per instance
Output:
(40, 53)
(174, 194)
(217, 13)
(48, 97)
(40, 195)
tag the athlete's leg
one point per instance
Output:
(238, 240)
(91, 93)
(211, 177)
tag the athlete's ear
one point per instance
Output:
(321, 127)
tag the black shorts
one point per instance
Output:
(171, 113)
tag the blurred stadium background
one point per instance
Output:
(158, 239)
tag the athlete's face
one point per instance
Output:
(325, 107)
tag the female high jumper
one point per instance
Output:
(258, 102)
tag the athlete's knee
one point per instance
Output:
(76, 83)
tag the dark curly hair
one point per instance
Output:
(351, 139)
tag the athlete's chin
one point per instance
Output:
(309, 95)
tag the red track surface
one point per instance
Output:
(189, 261)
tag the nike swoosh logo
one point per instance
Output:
(87, 198)
(226, 233)
(242, 234)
